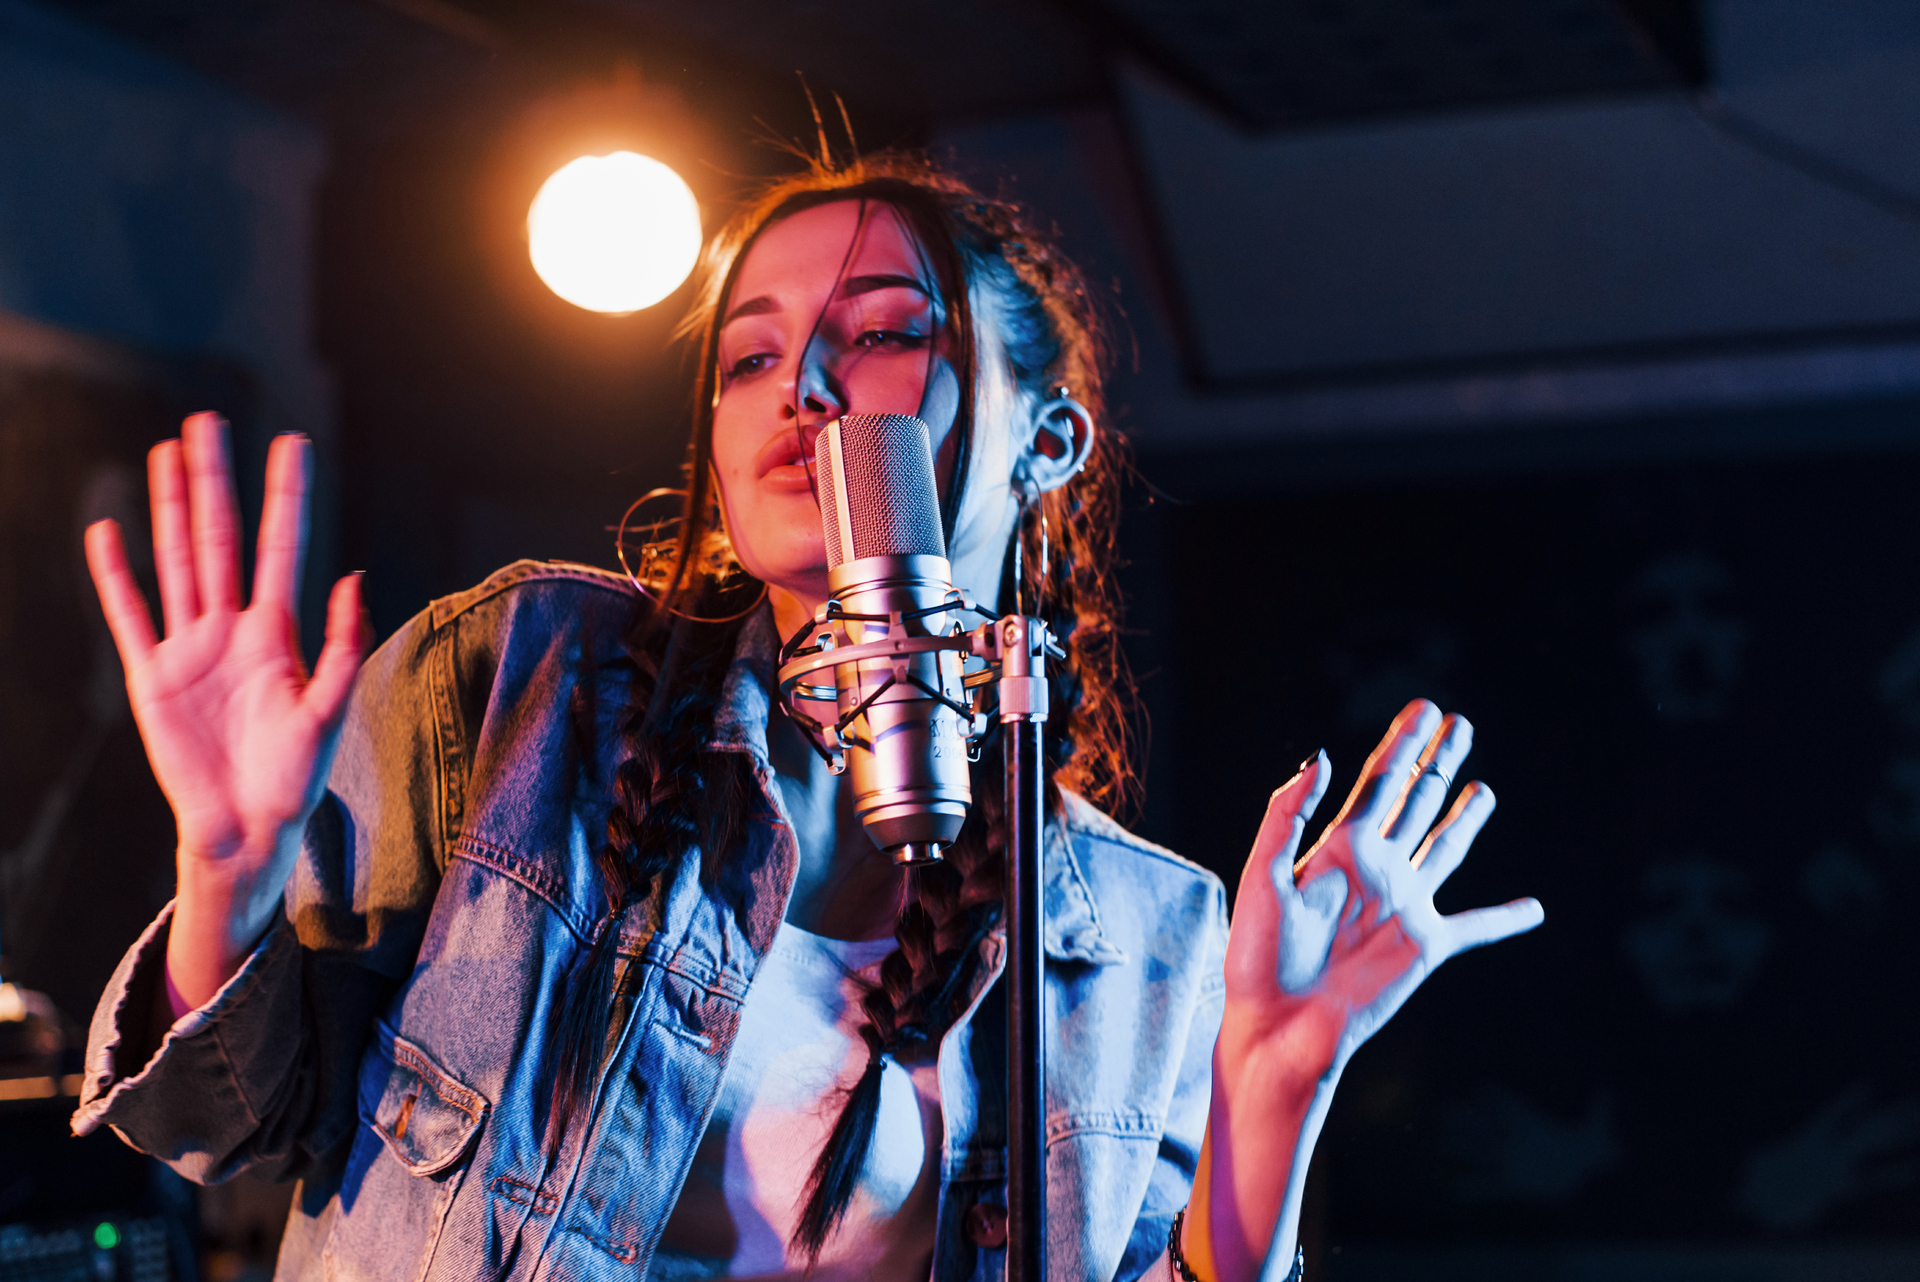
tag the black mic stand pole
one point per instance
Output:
(1023, 646)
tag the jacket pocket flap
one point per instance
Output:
(424, 1115)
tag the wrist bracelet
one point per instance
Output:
(1184, 1273)
(1177, 1260)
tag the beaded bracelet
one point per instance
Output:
(1186, 1274)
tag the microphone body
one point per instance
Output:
(887, 566)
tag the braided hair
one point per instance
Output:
(670, 797)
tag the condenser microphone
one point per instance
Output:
(887, 568)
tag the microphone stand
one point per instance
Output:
(1023, 645)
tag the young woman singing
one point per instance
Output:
(540, 944)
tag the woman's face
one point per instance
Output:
(878, 349)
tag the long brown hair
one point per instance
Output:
(670, 797)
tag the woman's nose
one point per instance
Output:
(817, 395)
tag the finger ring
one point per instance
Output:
(1432, 768)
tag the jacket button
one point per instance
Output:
(987, 1225)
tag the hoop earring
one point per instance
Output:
(652, 552)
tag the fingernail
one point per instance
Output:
(1308, 764)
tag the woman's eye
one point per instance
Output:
(752, 364)
(897, 339)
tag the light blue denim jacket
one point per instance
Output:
(385, 1041)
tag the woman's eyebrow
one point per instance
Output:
(760, 306)
(867, 284)
(767, 304)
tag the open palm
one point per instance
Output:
(1350, 929)
(238, 734)
(1321, 954)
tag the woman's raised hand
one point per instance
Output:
(239, 736)
(1350, 930)
(1321, 954)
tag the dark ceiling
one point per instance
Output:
(916, 64)
(1278, 64)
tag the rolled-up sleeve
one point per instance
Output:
(205, 1099)
(262, 1077)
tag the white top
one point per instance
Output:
(796, 1052)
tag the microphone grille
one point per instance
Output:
(832, 497)
(878, 496)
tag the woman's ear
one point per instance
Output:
(1058, 441)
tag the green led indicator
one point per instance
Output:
(106, 1237)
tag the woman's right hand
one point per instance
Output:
(239, 736)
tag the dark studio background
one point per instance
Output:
(1557, 360)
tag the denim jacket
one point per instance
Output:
(385, 1041)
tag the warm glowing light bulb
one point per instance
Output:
(614, 233)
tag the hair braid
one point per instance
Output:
(906, 1013)
(670, 795)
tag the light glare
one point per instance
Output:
(614, 233)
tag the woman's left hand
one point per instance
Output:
(1321, 954)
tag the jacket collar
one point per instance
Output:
(1074, 932)
(746, 696)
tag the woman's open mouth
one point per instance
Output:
(783, 463)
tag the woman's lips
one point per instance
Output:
(788, 476)
(782, 463)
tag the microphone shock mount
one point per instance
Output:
(905, 703)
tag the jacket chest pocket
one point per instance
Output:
(418, 1124)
